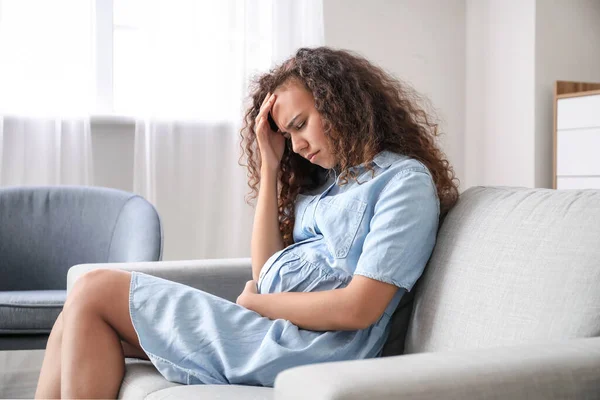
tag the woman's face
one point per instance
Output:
(295, 114)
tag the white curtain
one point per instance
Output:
(187, 162)
(179, 68)
(45, 151)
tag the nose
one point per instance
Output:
(298, 143)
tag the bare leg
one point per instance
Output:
(133, 352)
(96, 318)
(49, 381)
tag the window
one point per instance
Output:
(46, 56)
(172, 58)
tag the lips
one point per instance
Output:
(309, 157)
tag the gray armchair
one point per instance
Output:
(46, 230)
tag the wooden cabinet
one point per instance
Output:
(576, 135)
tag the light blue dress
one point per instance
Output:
(383, 228)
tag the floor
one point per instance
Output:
(19, 372)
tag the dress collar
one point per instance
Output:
(382, 159)
(386, 158)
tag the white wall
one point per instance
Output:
(499, 108)
(419, 41)
(516, 50)
(567, 48)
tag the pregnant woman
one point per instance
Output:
(350, 188)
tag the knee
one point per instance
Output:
(87, 291)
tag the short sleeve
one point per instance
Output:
(402, 231)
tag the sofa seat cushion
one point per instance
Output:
(214, 392)
(30, 311)
(143, 381)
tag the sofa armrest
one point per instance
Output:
(559, 370)
(222, 277)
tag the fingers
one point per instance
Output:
(266, 107)
(258, 127)
(267, 97)
(251, 286)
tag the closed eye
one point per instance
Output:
(298, 127)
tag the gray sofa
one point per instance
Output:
(508, 307)
(46, 230)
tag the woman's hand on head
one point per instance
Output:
(245, 298)
(271, 144)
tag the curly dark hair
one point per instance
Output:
(364, 110)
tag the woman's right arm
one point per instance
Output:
(266, 237)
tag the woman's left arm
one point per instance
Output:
(356, 306)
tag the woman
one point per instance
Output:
(351, 188)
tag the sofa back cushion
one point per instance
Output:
(511, 265)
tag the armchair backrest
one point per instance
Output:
(46, 230)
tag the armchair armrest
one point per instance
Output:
(222, 277)
(559, 370)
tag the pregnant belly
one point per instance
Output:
(291, 273)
